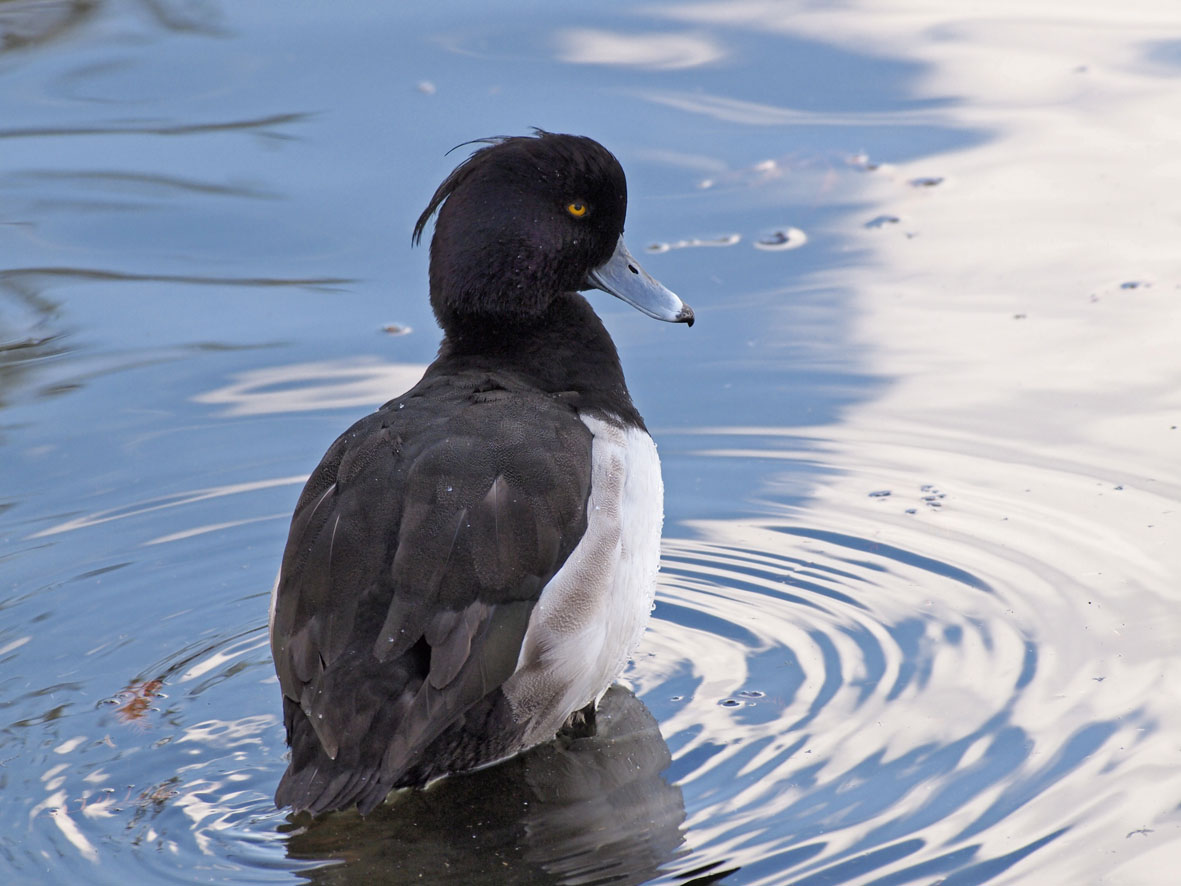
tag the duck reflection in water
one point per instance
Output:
(582, 809)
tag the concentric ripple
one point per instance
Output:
(852, 729)
(843, 708)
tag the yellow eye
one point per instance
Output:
(576, 209)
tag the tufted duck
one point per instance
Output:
(469, 567)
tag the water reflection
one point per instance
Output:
(918, 617)
(304, 387)
(120, 184)
(583, 810)
(269, 125)
(20, 278)
(735, 110)
(824, 686)
(27, 24)
(665, 52)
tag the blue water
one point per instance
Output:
(867, 623)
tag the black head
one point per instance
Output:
(520, 221)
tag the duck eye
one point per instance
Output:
(577, 208)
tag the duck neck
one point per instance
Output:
(564, 350)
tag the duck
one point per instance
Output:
(469, 567)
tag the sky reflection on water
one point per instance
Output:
(917, 620)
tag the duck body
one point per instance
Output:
(469, 567)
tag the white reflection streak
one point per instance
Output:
(14, 644)
(219, 658)
(732, 110)
(305, 387)
(229, 733)
(70, 745)
(213, 527)
(56, 803)
(169, 501)
(662, 52)
(211, 811)
(205, 816)
(70, 830)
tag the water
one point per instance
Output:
(917, 620)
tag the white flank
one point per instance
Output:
(591, 614)
(271, 614)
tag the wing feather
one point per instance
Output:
(415, 556)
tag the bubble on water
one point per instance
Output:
(782, 238)
(880, 493)
(861, 161)
(730, 703)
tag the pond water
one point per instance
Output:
(918, 619)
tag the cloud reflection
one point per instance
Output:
(662, 52)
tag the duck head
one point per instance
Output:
(527, 218)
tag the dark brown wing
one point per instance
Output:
(416, 553)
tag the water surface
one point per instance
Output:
(917, 619)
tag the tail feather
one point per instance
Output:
(315, 783)
(360, 775)
(315, 790)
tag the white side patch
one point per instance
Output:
(591, 614)
(271, 616)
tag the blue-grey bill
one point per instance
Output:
(622, 276)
